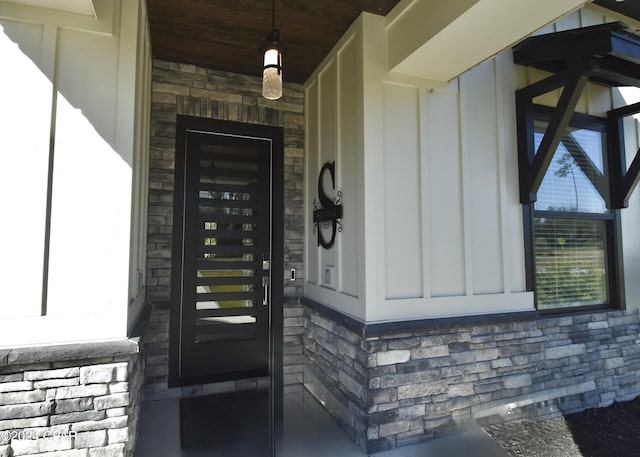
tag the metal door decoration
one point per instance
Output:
(327, 211)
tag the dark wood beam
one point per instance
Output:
(526, 144)
(624, 111)
(555, 130)
(624, 180)
(553, 82)
(629, 182)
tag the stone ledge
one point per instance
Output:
(69, 352)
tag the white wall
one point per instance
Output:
(74, 136)
(140, 94)
(333, 112)
(437, 218)
(453, 242)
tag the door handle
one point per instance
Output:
(266, 266)
(265, 290)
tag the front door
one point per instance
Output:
(227, 263)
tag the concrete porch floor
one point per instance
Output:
(309, 431)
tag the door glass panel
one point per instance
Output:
(226, 211)
(242, 227)
(236, 303)
(229, 196)
(244, 319)
(222, 289)
(231, 273)
(227, 255)
(229, 289)
(224, 304)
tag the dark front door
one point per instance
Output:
(226, 259)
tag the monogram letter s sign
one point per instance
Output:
(327, 211)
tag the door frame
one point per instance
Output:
(276, 136)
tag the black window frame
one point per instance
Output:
(612, 219)
(606, 55)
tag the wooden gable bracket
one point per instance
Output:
(626, 180)
(533, 166)
(606, 54)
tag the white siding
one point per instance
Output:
(83, 244)
(24, 145)
(328, 83)
(511, 217)
(402, 193)
(88, 72)
(444, 230)
(455, 168)
(444, 192)
(481, 183)
(333, 119)
(444, 234)
(347, 171)
(142, 119)
(312, 257)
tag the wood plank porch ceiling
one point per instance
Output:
(227, 34)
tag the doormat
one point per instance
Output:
(231, 425)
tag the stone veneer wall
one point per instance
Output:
(196, 91)
(390, 386)
(80, 400)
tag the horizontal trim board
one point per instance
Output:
(453, 306)
(390, 329)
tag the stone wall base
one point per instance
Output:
(77, 400)
(390, 385)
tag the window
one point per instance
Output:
(572, 228)
(579, 172)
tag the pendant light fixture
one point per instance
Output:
(273, 51)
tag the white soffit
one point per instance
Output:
(433, 40)
(71, 6)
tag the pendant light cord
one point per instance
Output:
(273, 15)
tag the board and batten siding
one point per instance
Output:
(75, 114)
(434, 168)
(332, 113)
(444, 234)
(453, 239)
